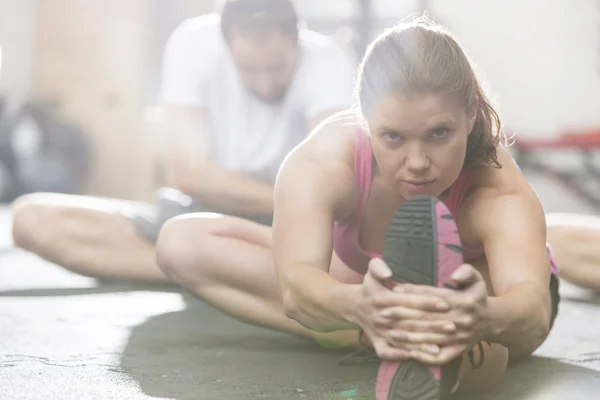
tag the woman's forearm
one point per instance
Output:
(519, 319)
(318, 301)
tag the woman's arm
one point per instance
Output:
(315, 187)
(509, 221)
(315, 183)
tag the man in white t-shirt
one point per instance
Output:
(241, 89)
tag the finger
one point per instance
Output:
(393, 314)
(465, 275)
(419, 303)
(390, 353)
(413, 301)
(407, 319)
(414, 325)
(424, 290)
(426, 348)
(379, 270)
(408, 347)
(461, 319)
(450, 352)
(465, 309)
(456, 313)
(462, 316)
(425, 358)
(446, 354)
(465, 322)
(400, 337)
(454, 298)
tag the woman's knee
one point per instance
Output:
(490, 373)
(499, 359)
(181, 248)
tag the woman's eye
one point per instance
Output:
(440, 133)
(392, 137)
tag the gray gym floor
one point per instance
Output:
(63, 336)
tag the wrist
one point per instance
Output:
(494, 319)
(350, 298)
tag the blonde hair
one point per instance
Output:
(419, 56)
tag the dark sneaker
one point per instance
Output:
(422, 247)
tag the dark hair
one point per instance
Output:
(420, 56)
(259, 16)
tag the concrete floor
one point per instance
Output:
(64, 336)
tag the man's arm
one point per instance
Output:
(192, 170)
(186, 69)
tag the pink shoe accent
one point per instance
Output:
(448, 259)
(437, 372)
(385, 377)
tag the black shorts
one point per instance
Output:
(555, 297)
(172, 203)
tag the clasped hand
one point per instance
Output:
(429, 324)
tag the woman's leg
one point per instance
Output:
(575, 241)
(228, 262)
(491, 371)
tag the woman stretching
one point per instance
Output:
(404, 227)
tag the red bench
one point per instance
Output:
(529, 154)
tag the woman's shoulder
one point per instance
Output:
(491, 184)
(333, 139)
(504, 178)
(324, 162)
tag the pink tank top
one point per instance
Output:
(346, 233)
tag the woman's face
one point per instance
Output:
(420, 142)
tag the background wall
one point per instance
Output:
(17, 39)
(99, 61)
